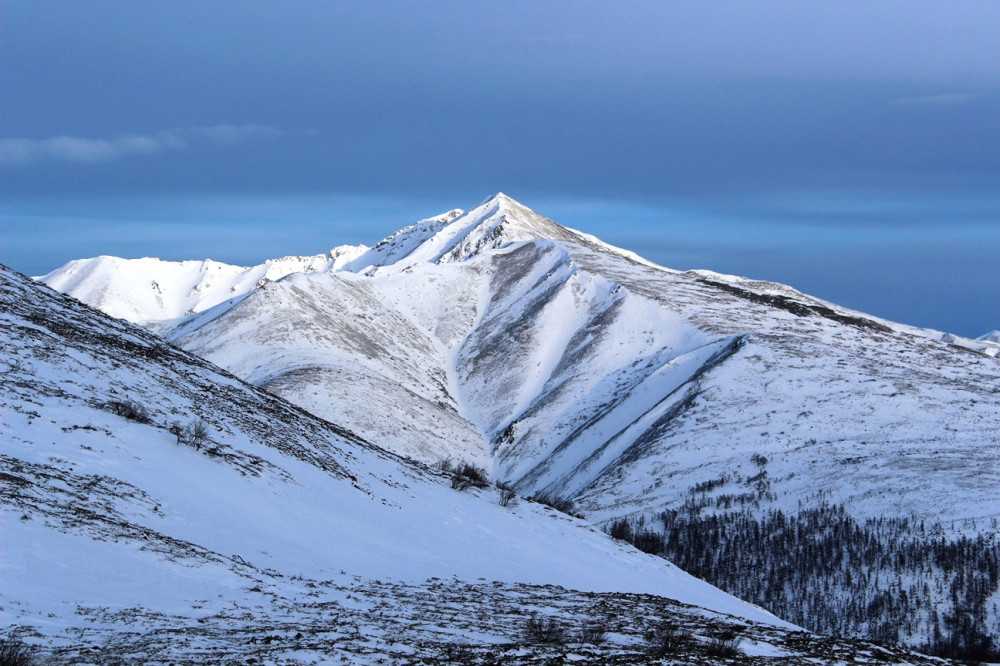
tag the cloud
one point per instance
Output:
(18, 151)
(943, 99)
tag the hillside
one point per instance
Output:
(118, 523)
(658, 397)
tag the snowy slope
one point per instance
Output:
(333, 344)
(576, 368)
(587, 373)
(579, 369)
(150, 290)
(398, 245)
(99, 511)
(990, 343)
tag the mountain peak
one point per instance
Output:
(503, 201)
(498, 196)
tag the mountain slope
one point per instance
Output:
(153, 292)
(586, 373)
(578, 369)
(332, 344)
(992, 342)
(650, 395)
(112, 519)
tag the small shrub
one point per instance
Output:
(723, 646)
(193, 434)
(457, 653)
(506, 493)
(538, 630)
(663, 639)
(198, 433)
(445, 466)
(557, 503)
(15, 653)
(129, 409)
(759, 460)
(468, 476)
(593, 633)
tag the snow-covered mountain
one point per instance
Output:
(992, 336)
(578, 369)
(120, 519)
(155, 292)
(500, 335)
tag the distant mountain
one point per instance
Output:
(674, 401)
(992, 336)
(151, 291)
(157, 293)
(153, 504)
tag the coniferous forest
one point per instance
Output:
(893, 580)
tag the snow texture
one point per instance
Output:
(573, 368)
(116, 521)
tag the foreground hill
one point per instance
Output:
(683, 403)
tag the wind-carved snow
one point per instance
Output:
(336, 346)
(400, 244)
(599, 359)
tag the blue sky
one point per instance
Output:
(848, 149)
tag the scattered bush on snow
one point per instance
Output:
(506, 493)
(193, 434)
(559, 504)
(723, 645)
(540, 630)
(128, 409)
(593, 632)
(14, 652)
(663, 639)
(464, 475)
